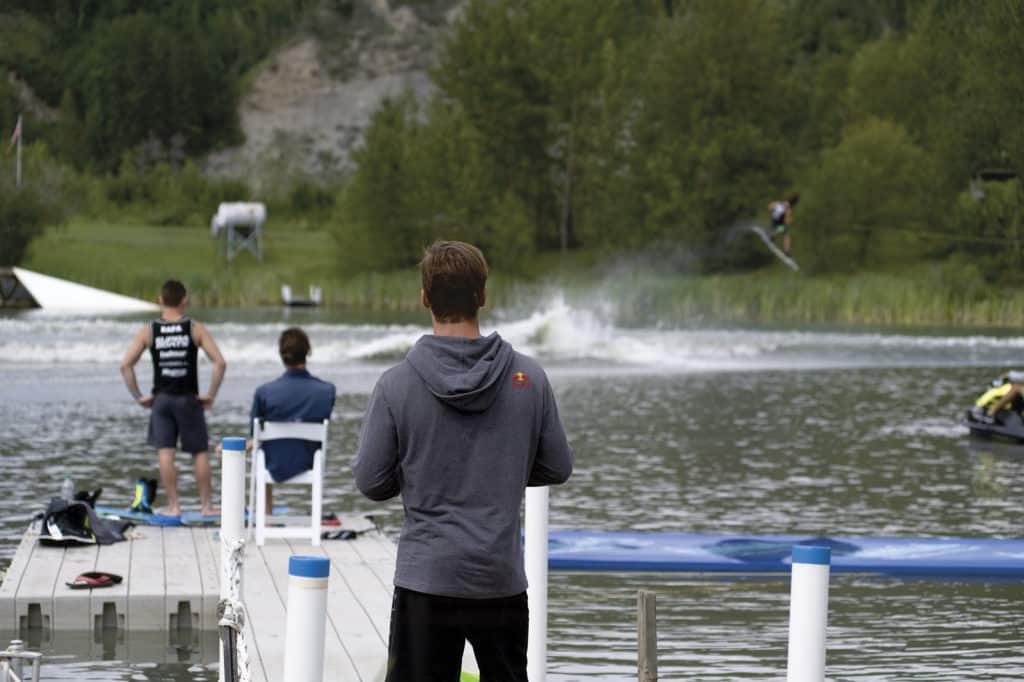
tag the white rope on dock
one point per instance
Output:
(231, 610)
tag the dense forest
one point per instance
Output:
(658, 126)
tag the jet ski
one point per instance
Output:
(1008, 422)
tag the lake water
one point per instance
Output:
(702, 430)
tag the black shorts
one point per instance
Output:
(429, 633)
(178, 415)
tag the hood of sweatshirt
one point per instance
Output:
(464, 373)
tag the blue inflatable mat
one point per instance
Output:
(583, 550)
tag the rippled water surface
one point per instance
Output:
(704, 430)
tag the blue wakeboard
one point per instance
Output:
(585, 550)
(197, 518)
(139, 517)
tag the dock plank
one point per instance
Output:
(108, 607)
(71, 608)
(257, 673)
(208, 550)
(164, 566)
(265, 609)
(147, 591)
(378, 554)
(350, 624)
(182, 580)
(364, 585)
(115, 558)
(209, 574)
(374, 546)
(13, 578)
(337, 663)
(34, 601)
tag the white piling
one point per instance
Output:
(232, 523)
(306, 618)
(16, 664)
(232, 502)
(536, 553)
(808, 613)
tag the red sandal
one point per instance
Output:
(91, 579)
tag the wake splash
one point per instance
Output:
(557, 331)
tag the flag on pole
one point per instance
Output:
(16, 135)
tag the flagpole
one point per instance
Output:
(17, 174)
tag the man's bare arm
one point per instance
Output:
(131, 358)
(204, 340)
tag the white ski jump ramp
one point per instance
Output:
(59, 295)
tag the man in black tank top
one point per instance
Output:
(176, 406)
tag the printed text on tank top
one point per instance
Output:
(174, 353)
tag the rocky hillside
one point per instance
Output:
(306, 107)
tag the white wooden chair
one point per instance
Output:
(263, 431)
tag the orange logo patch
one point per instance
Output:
(520, 379)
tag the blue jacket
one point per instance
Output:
(295, 396)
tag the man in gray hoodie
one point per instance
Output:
(459, 429)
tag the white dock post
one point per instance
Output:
(232, 525)
(536, 556)
(808, 613)
(306, 618)
(16, 647)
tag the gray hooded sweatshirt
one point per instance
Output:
(459, 429)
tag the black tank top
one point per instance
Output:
(174, 356)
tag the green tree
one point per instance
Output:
(422, 175)
(141, 69)
(141, 79)
(378, 222)
(531, 78)
(865, 203)
(990, 217)
(709, 139)
(27, 210)
(22, 217)
(981, 120)
(8, 108)
(819, 38)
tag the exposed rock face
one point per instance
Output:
(306, 109)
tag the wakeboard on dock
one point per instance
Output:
(187, 518)
(146, 518)
(197, 518)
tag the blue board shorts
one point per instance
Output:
(175, 415)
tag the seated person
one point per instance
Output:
(295, 396)
(1009, 398)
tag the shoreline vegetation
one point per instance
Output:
(134, 259)
(614, 153)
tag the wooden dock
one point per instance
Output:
(172, 586)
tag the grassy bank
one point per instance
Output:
(920, 297)
(135, 259)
